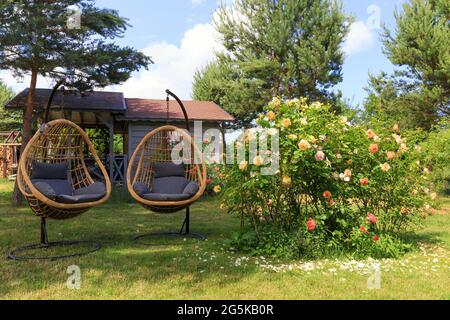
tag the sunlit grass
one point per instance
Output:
(202, 270)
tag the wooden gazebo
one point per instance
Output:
(116, 115)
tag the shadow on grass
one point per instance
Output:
(125, 269)
(120, 259)
(428, 237)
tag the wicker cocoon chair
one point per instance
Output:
(59, 141)
(156, 150)
(157, 147)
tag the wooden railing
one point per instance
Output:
(117, 168)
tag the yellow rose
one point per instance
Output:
(243, 165)
(286, 123)
(403, 148)
(217, 189)
(371, 134)
(304, 145)
(287, 181)
(390, 155)
(271, 115)
(385, 167)
(258, 161)
(276, 102)
(348, 173)
(397, 138)
(293, 137)
(316, 105)
(396, 128)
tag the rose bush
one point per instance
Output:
(340, 186)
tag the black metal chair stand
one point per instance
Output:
(183, 233)
(14, 254)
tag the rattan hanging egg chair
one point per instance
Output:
(55, 181)
(160, 185)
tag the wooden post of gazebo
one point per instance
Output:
(111, 151)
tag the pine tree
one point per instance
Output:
(44, 38)
(8, 120)
(287, 48)
(37, 40)
(418, 93)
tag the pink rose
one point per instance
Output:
(311, 224)
(372, 218)
(364, 181)
(320, 156)
(327, 195)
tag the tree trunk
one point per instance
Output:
(27, 126)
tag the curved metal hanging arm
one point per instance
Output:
(50, 100)
(170, 93)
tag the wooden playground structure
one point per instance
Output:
(10, 142)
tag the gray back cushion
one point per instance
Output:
(41, 170)
(168, 169)
(169, 185)
(58, 185)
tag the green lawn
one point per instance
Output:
(204, 270)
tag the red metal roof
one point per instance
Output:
(141, 109)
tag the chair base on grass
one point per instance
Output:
(14, 254)
(183, 233)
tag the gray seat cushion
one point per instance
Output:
(191, 188)
(83, 198)
(97, 188)
(45, 189)
(165, 196)
(168, 169)
(169, 185)
(42, 170)
(61, 191)
(59, 186)
(140, 188)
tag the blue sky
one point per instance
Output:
(179, 36)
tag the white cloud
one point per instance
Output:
(174, 66)
(18, 84)
(359, 39)
(196, 3)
